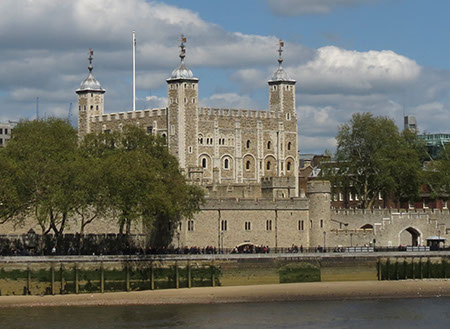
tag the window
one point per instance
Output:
(97, 107)
(269, 225)
(247, 165)
(190, 149)
(350, 196)
(341, 196)
(288, 116)
(204, 162)
(380, 197)
(193, 100)
(1, 131)
(301, 225)
(226, 164)
(200, 140)
(321, 223)
(247, 226)
(248, 143)
(426, 203)
(269, 144)
(164, 136)
(444, 204)
(411, 204)
(149, 130)
(190, 225)
(289, 146)
(92, 107)
(268, 165)
(224, 225)
(1, 141)
(288, 166)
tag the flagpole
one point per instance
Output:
(134, 71)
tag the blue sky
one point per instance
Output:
(383, 56)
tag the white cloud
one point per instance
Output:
(229, 100)
(155, 102)
(301, 7)
(335, 70)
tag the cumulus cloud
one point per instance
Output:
(302, 7)
(229, 100)
(338, 70)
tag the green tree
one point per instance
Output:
(437, 176)
(143, 182)
(40, 158)
(373, 158)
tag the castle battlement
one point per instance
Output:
(130, 115)
(256, 204)
(240, 113)
(390, 211)
(283, 181)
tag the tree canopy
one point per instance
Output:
(373, 158)
(49, 176)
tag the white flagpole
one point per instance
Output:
(134, 71)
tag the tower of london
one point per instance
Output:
(215, 147)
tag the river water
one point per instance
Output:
(393, 313)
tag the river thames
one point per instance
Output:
(382, 313)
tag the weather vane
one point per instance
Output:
(182, 47)
(90, 58)
(280, 51)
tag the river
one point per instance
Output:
(362, 314)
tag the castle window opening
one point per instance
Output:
(204, 163)
(79, 108)
(248, 226)
(97, 107)
(164, 137)
(193, 100)
(149, 130)
(190, 149)
(185, 85)
(247, 165)
(288, 166)
(321, 223)
(248, 143)
(269, 225)
(226, 164)
(224, 225)
(92, 107)
(269, 144)
(268, 165)
(289, 146)
(190, 225)
(85, 107)
(301, 226)
(310, 224)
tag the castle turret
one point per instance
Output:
(183, 113)
(90, 100)
(282, 103)
(282, 89)
(319, 195)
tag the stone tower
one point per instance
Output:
(282, 90)
(183, 113)
(319, 195)
(90, 100)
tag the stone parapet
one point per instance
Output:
(247, 204)
(241, 113)
(130, 115)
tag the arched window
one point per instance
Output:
(247, 165)
(248, 143)
(92, 107)
(289, 146)
(226, 164)
(288, 166)
(97, 107)
(269, 144)
(204, 162)
(268, 165)
(224, 225)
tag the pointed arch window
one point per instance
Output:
(226, 164)
(204, 163)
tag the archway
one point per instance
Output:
(410, 237)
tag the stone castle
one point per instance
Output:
(248, 161)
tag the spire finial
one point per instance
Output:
(182, 47)
(280, 51)
(90, 58)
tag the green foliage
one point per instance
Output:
(437, 176)
(299, 272)
(48, 175)
(374, 158)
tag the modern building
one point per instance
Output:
(435, 143)
(5, 132)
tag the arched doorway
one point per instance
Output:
(410, 237)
